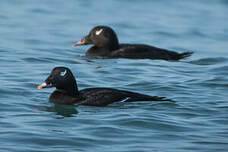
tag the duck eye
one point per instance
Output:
(98, 32)
(63, 73)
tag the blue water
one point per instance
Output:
(37, 36)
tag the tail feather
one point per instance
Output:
(142, 97)
(156, 98)
(185, 55)
(134, 97)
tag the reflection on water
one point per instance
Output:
(63, 110)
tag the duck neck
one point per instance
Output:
(113, 46)
(71, 89)
(113, 43)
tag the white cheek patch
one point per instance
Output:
(63, 73)
(98, 32)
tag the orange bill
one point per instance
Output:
(78, 43)
(43, 85)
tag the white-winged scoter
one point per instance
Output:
(105, 44)
(67, 91)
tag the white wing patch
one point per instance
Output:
(63, 73)
(98, 32)
(125, 99)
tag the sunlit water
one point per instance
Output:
(37, 36)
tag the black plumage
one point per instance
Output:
(105, 44)
(67, 91)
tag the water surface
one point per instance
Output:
(36, 36)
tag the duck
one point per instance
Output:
(67, 92)
(106, 45)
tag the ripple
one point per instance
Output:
(209, 61)
(222, 70)
(32, 59)
(40, 11)
(166, 34)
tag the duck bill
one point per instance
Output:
(44, 85)
(79, 43)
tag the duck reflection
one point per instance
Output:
(63, 110)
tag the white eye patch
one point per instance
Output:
(63, 73)
(98, 32)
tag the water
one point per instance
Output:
(37, 36)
